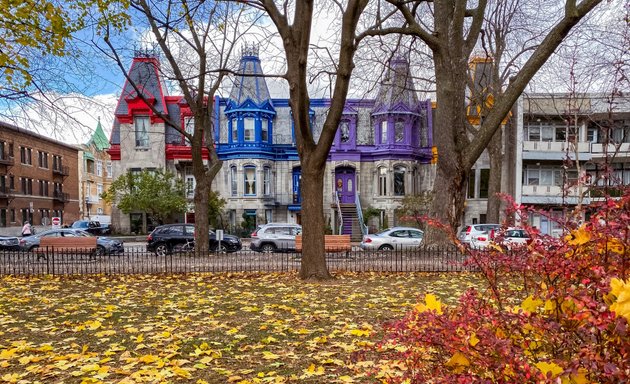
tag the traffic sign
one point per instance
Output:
(56, 222)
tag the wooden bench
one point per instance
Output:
(332, 243)
(70, 245)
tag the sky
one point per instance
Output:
(97, 83)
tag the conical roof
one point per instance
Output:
(250, 83)
(397, 88)
(99, 139)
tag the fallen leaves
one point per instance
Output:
(206, 328)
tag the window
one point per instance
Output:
(250, 181)
(471, 184)
(382, 181)
(532, 176)
(99, 211)
(25, 155)
(99, 168)
(11, 182)
(99, 191)
(267, 181)
(234, 184)
(234, 131)
(399, 130)
(264, 133)
(268, 216)
(42, 159)
(249, 129)
(110, 174)
(384, 132)
(344, 132)
(27, 186)
(141, 124)
(484, 183)
(57, 162)
(189, 128)
(399, 181)
(190, 186)
(13, 215)
(591, 135)
(43, 188)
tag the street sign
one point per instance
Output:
(219, 234)
(56, 222)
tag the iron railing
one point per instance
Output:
(137, 260)
(362, 225)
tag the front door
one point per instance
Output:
(345, 185)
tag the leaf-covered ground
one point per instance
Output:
(205, 328)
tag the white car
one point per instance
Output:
(470, 232)
(511, 238)
(393, 238)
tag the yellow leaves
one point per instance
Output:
(549, 368)
(269, 355)
(431, 303)
(473, 340)
(312, 370)
(109, 332)
(530, 305)
(579, 236)
(621, 291)
(458, 362)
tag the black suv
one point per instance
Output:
(170, 238)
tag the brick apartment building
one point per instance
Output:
(38, 178)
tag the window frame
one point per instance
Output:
(141, 135)
(249, 170)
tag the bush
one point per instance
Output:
(554, 311)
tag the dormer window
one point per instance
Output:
(248, 129)
(344, 132)
(234, 131)
(189, 127)
(399, 130)
(141, 126)
(264, 132)
(384, 132)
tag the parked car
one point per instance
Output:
(93, 227)
(275, 237)
(472, 231)
(393, 238)
(169, 238)
(104, 245)
(9, 243)
(512, 237)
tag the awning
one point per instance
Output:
(295, 207)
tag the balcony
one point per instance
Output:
(555, 150)
(61, 170)
(622, 149)
(553, 194)
(60, 197)
(7, 160)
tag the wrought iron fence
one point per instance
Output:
(136, 260)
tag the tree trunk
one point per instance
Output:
(313, 265)
(495, 148)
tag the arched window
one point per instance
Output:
(399, 180)
(384, 132)
(399, 130)
(382, 181)
(249, 180)
(233, 182)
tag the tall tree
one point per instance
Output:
(294, 24)
(198, 40)
(452, 35)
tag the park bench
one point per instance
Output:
(68, 245)
(332, 243)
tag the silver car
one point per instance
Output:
(393, 238)
(275, 237)
(470, 232)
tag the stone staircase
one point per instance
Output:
(351, 222)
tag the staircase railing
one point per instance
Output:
(339, 212)
(362, 225)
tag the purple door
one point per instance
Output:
(345, 185)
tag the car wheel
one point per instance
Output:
(268, 248)
(100, 250)
(220, 249)
(386, 247)
(161, 250)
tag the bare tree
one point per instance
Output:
(452, 36)
(294, 23)
(198, 40)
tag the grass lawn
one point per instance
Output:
(227, 328)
